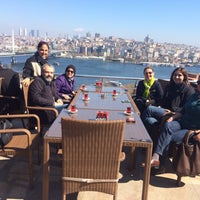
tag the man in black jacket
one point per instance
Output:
(42, 92)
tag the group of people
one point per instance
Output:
(178, 104)
(46, 90)
(179, 101)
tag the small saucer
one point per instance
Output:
(128, 113)
(115, 94)
(73, 112)
(84, 89)
(86, 99)
(130, 120)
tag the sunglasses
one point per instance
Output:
(70, 71)
(148, 72)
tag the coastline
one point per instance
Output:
(107, 59)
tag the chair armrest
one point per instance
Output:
(43, 108)
(18, 130)
(22, 116)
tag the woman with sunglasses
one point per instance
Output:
(174, 131)
(175, 96)
(149, 91)
(65, 83)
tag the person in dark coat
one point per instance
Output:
(10, 87)
(42, 92)
(149, 91)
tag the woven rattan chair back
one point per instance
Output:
(25, 92)
(91, 155)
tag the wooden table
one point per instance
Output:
(105, 99)
(135, 133)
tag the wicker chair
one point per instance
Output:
(91, 155)
(23, 141)
(35, 109)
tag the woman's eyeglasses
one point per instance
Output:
(148, 72)
(70, 71)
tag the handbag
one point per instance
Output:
(5, 137)
(186, 161)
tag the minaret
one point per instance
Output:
(13, 42)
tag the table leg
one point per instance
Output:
(131, 164)
(46, 170)
(147, 172)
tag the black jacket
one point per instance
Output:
(43, 94)
(156, 94)
(175, 96)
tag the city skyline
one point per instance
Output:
(164, 21)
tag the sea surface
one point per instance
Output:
(97, 67)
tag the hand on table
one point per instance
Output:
(65, 96)
(59, 102)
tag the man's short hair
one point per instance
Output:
(49, 65)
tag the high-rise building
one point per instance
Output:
(20, 32)
(38, 33)
(25, 32)
(97, 35)
(32, 33)
(88, 34)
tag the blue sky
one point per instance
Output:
(173, 21)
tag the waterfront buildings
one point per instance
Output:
(111, 48)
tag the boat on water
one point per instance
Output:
(13, 60)
(56, 63)
(62, 55)
(117, 59)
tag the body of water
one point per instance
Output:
(98, 67)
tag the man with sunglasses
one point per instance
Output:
(65, 83)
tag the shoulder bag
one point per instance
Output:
(186, 161)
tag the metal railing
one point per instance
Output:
(112, 80)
